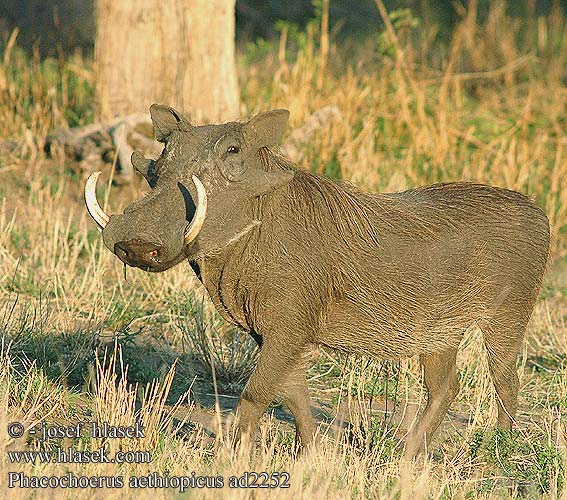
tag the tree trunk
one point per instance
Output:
(175, 52)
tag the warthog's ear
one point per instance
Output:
(144, 167)
(258, 182)
(166, 120)
(266, 129)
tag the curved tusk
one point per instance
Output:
(199, 218)
(95, 210)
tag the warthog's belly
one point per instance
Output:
(392, 332)
(414, 305)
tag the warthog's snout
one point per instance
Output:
(138, 253)
(153, 233)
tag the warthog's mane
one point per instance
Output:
(352, 212)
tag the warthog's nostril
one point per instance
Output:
(137, 252)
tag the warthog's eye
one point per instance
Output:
(233, 150)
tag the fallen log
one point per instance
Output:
(116, 140)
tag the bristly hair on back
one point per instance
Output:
(350, 210)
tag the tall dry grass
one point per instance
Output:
(489, 106)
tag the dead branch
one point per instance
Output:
(96, 144)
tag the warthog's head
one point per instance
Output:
(203, 186)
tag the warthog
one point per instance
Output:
(296, 259)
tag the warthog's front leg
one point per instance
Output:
(276, 363)
(296, 398)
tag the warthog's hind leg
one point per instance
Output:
(442, 382)
(503, 340)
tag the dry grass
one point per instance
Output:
(490, 107)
